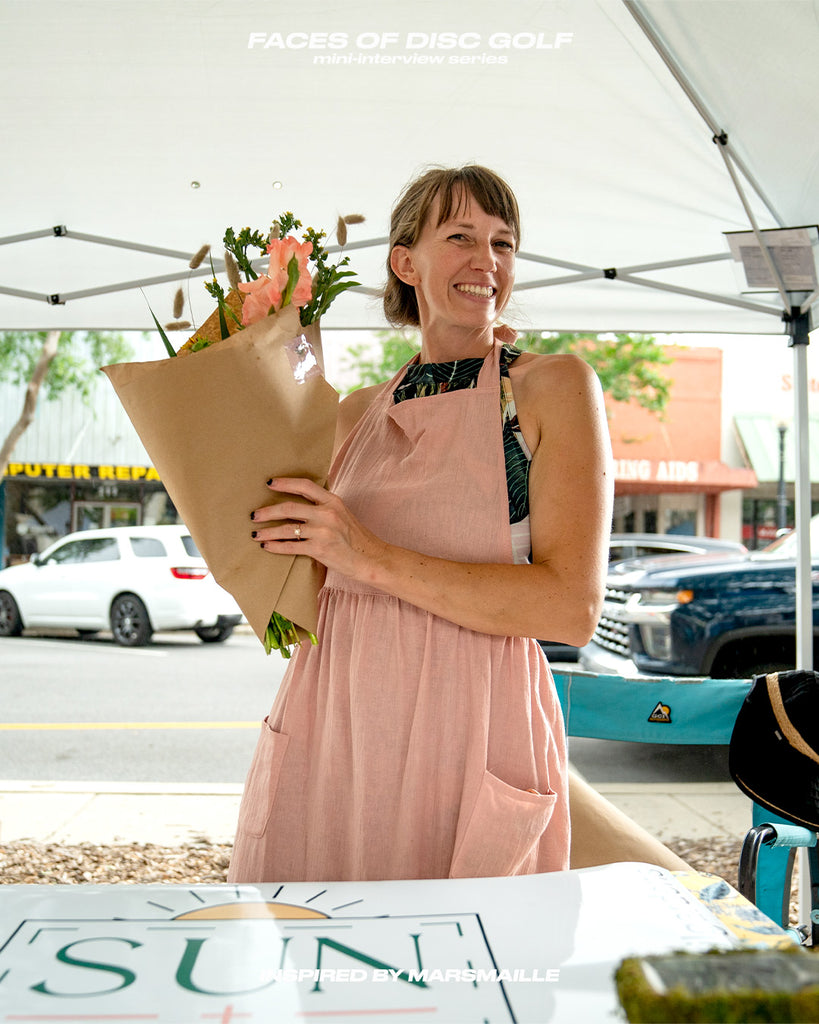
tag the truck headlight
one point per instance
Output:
(656, 640)
(650, 611)
(669, 598)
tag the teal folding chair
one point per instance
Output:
(766, 865)
(774, 759)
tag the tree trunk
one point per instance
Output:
(47, 354)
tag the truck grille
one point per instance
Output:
(611, 634)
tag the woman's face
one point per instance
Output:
(462, 269)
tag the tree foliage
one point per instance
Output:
(52, 363)
(395, 348)
(628, 365)
(79, 355)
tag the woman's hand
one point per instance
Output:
(320, 526)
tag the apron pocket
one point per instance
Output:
(502, 830)
(262, 781)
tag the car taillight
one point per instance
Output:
(189, 572)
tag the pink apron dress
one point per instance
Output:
(406, 746)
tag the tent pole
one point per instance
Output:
(798, 328)
(722, 142)
(634, 8)
(43, 233)
(677, 290)
(809, 301)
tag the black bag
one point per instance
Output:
(774, 751)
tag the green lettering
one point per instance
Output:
(65, 957)
(184, 973)
(409, 976)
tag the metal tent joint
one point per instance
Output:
(610, 273)
(59, 230)
(798, 325)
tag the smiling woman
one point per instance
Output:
(451, 192)
(461, 270)
(466, 513)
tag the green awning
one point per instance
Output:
(758, 435)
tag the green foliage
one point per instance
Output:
(80, 354)
(329, 280)
(627, 364)
(396, 349)
(239, 244)
(166, 341)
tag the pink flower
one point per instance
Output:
(262, 298)
(282, 250)
(264, 295)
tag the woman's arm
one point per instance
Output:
(350, 411)
(557, 597)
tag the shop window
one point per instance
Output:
(96, 515)
(681, 521)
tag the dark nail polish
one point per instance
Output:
(269, 482)
(252, 515)
(254, 534)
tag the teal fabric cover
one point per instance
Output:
(650, 710)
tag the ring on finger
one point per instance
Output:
(297, 531)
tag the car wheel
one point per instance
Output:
(129, 621)
(213, 634)
(10, 622)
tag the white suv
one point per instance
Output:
(131, 579)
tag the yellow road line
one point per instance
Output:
(22, 726)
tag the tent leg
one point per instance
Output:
(798, 328)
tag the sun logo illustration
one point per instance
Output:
(251, 911)
(248, 904)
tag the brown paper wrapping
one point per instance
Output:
(217, 424)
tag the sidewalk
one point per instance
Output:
(173, 814)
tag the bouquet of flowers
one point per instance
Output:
(248, 401)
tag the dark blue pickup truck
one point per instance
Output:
(725, 615)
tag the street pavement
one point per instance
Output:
(172, 814)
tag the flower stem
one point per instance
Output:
(281, 635)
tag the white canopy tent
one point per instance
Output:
(136, 130)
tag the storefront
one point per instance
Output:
(767, 443)
(42, 501)
(673, 495)
(668, 472)
(78, 466)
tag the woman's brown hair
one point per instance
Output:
(452, 186)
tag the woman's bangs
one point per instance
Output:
(456, 192)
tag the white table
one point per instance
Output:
(535, 949)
